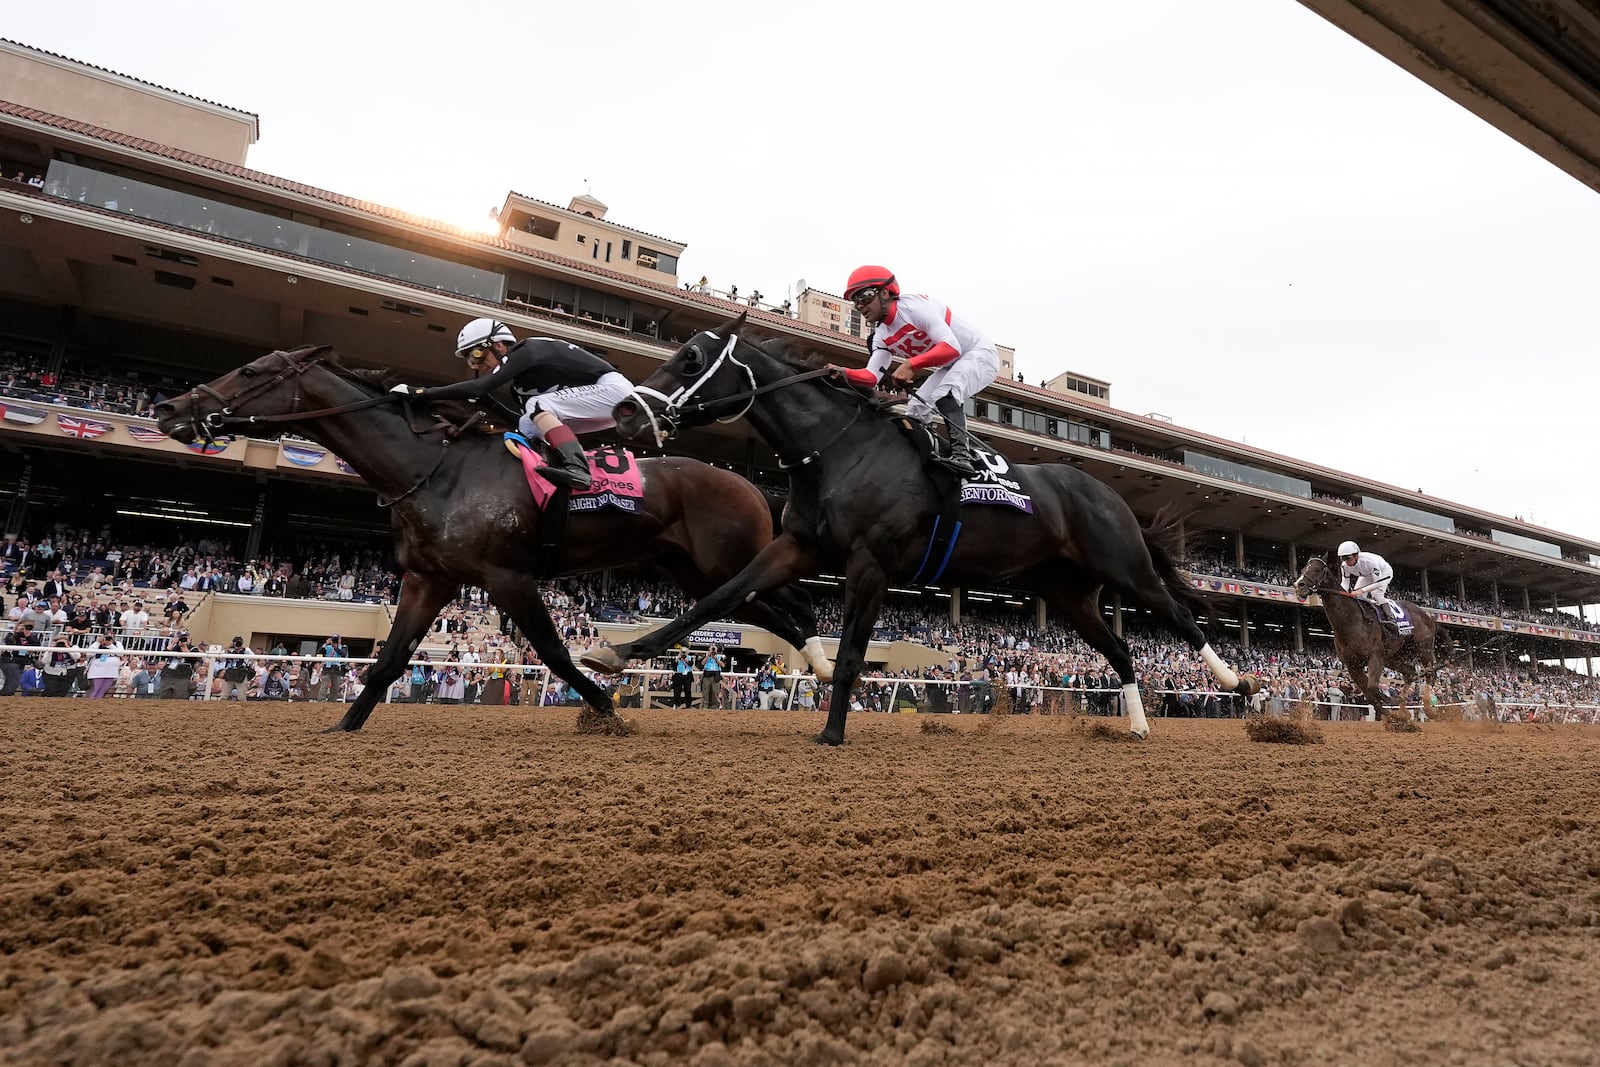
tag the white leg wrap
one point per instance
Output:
(820, 663)
(1136, 720)
(1228, 680)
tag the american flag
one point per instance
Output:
(73, 426)
(147, 434)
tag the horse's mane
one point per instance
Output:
(377, 381)
(797, 357)
(787, 350)
(380, 380)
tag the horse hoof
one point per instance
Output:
(1142, 735)
(603, 658)
(826, 739)
(1249, 685)
(825, 676)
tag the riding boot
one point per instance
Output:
(961, 459)
(567, 465)
(1391, 624)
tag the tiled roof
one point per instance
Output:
(271, 181)
(579, 214)
(127, 77)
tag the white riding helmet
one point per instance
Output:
(1349, 548)
(482, 332)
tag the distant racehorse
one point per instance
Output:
(862, 503)
(463, 513)
(1365, 647)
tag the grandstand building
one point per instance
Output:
(140, 253)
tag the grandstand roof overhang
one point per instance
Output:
(1531, 68)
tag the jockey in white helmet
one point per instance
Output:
(564, 390)
(1367, 575)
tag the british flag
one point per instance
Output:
(73, 426)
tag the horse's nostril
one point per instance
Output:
(626, 410)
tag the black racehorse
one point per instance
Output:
(463, 513)
(1365, 647)
(863, 503)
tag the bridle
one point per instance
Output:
(206, 428)
(677, 404)
(1320, 584)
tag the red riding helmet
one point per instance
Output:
(871, 277)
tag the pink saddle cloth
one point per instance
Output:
(615, 478)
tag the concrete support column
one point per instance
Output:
(1526, 604)
(955, 607)
(1038, 614)
(1461, 587)
(1116, 613)
(1425, 593)
(1238, 548)
(1494, 593)
(1244, 624)
(1294, 562)
(1299, 631)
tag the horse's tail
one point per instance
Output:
(1164, 538)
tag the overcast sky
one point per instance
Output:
(1241, 217)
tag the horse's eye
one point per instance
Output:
(247, 372)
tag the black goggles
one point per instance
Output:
(865, 297)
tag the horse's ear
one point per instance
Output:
(733, 325)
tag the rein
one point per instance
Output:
(206, 427)
(675, 405)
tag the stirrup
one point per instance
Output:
(962, 462)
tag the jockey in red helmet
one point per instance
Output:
(929, 337)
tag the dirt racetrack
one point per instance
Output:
(199, 884)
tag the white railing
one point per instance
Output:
(892, 694)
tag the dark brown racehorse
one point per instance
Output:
(463, 513)
(863, 504)
(1365, 647)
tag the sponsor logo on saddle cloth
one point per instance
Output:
(991, 486)
(1401, 620)
(616, 483)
